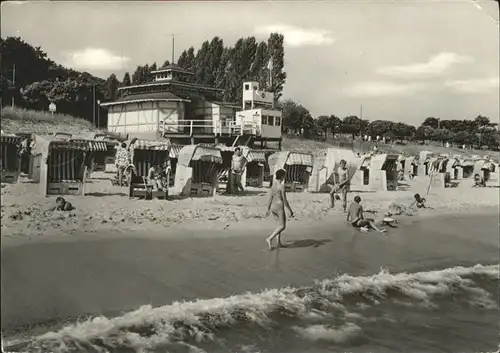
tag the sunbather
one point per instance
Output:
(478, 181)
(357, 220)
(155, 178)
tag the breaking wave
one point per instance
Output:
(331, 310)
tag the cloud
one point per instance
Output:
(297, 36)
(381, 89)
(473, 86)
(95, 59)
(436, 65)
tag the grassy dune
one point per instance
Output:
(42, 122)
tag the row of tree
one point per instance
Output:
(478, 132)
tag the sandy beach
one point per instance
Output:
(108, 208)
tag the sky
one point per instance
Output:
(399, 60)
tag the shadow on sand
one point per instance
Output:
(306, 243)
(104, 194)
(245, 193)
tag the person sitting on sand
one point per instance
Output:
(276, 206)
(342, 185)
(356, 218)
(478, 181)
(154, 177)
(419, 201)
(62, 205)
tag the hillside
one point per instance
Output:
(40, 122)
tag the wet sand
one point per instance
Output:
(52, 280)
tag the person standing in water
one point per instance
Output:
(277, 204)
(342, 185)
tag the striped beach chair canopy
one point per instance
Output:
(11, 139)
(300, 158)
(174, 151)
(191, 153)
(154, 145)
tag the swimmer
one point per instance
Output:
(277, 204)
(419, 201)
(356, 218)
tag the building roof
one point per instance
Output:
(173, 67)
(147, 97)
(171, 83)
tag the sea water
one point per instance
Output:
(433, 307)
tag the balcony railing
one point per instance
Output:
(192, 127)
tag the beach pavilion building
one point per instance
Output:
(189, 113)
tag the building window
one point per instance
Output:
(270, 120)
(264, 120)
(247, 87)
(277, 121)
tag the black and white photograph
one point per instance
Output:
(250, 176)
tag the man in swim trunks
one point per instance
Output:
(355, 216)
(238, 165)
(342, 185)
(276, 206)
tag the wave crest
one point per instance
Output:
(147, 328)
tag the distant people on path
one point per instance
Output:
(356, 218)
(238, 165)
(341, 186)
(276, 205)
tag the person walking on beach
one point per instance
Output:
(342, 185)
(276, 205)
(356, 218)
(238, 165)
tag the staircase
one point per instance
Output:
(242, 140)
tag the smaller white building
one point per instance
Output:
(259, 116)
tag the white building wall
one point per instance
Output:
(143, 117)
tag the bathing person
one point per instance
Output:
(237, 167)
(122, 161)
(62, 205)
(478, 181)
(419, 201)
(276, 205)
(154, 177)
(342, 185)
(355, 216)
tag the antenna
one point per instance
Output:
(173, 47)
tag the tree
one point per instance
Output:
(334, 123)
(126, 80)
(352, 125)
(431, 122)
(323, 123)
(295, 116)
(276, 53)
(112, 85)
(424, 132)
(403, 131)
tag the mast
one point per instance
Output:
(173, 47)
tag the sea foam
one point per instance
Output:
(189, 322)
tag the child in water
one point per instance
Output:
(356, 218)
(276, 206)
